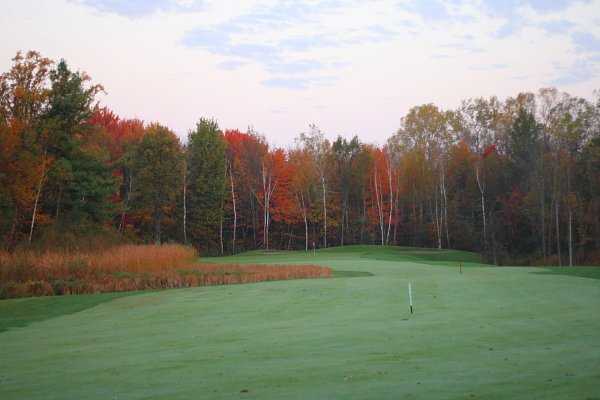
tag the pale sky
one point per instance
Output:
(351, 67)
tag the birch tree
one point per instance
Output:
(318, 147)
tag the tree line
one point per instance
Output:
(517, 180)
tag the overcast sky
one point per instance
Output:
(351, 67)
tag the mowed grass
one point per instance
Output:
(488, 333)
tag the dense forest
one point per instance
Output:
(517, 180)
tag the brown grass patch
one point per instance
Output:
(130, 267)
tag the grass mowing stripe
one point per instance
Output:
(22, 312)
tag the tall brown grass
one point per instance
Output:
(130, 267)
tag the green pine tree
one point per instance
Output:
(156, 165)
(206, 184)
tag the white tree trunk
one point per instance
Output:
(37, 196)
(437, 221)
(324, 209)
(185, 203)
(221, 233)
(445, 205)
(570, 212)
(481, 187)
(234, 207)
(556, 216)
(268, 189)
(387, 238)
(570, 237)
(265, 208)
(379, 206)
(305, 221)
(343, 222)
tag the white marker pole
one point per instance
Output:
(410, 297)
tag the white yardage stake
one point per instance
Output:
(410, 297)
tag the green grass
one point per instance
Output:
(488, 333)
(23, 312)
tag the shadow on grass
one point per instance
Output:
(350, 274)
(580, 272)
(424, 256)
(16, 313)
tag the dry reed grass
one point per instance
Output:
(130, 267)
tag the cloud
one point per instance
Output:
(237, 35)
(433, 10)
(253, 51)
(580, 71)
(271, 35)
(509, 28)
(283, 14)
(547, 6)
(287, 83)
(378, 33)
(557, 26)
(213, 40)
(507, 11)
(268, 36)
(141, 8)
(294, 67)
(466, 45)
(490, 67)
(506, 8)
(441, 56)
(231, 65)
(586, 42)
(511, 11)
(500, 7)
(299, 83)
(307, 42)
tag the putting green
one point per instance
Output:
(488, 333)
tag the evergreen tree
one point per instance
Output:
(520, 208)
(523, 145)
(156, 176)
(80, 182)
(206, 182)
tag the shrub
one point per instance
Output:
(129, 267)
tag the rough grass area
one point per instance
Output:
(488, 333)
(128, 268)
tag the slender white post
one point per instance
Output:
(410, 297)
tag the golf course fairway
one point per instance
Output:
(488, 333)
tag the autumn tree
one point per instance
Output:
(319, 148)
(119, 136)
(574, 126)
(283, 208)
(425, 133)
(478, 120)
(514, 179)
(24, 162)
(303, 185)
(382, 181)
